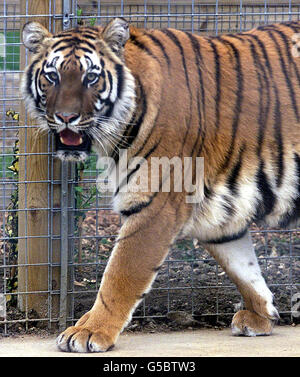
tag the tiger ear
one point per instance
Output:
(116, 34)
(33, 35)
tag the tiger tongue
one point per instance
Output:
(69, 137)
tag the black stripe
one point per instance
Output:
(297, 162)
(62, 35)
(29, 75)
(69, 341)
(263, 110)
(68, 55)
(199, 63)
(201, 127)
(132, 131)
(290, 217)
(120, 76)
(59, 42)
(201, 109)
(238, 102)
(104, 304)
(110, 80)
(149, 219)
(229, 238)
(286, 74)
(174, 38)
(277, 115)
(147, 138)
(89, 36)
(142, 47)
(86, 50)
(263, 50)
(228, 206)
(110, 108)
(293, 25)
(62, 48)
(266, 205)
(158, 43)
(277, 120)
(43, 66)
(287, 44)
(234, 174)
(217, 80)
(102, 63)
(86, 42)
(126, 180)
(136, 208)
(207, 192)
(279, 142)
(176, 41)
(36, 78)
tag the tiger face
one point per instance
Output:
(78, 86)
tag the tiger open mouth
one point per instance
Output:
(71, 145)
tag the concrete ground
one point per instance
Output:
(285, 341)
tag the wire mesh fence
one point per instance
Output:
(58, 215)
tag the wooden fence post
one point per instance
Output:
(35, 198)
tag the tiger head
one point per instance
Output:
(77, 85)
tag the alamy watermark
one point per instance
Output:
(156, 174)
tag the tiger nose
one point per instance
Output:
(67, 117)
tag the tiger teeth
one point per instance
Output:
(62, 140)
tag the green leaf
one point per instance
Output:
(93, 21)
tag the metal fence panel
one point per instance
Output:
(189, 280)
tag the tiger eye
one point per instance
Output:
(52, 76)
(91, 76)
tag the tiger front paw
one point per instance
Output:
(82, 339)
(85, 336)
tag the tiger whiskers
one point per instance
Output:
(114, 142)
(41, 128)
(112, 129)
(113, 120)
(102, 139)
(106, 132)
(110, 132)
(40, 131)
(97, 138)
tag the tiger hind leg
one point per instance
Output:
(239, 261)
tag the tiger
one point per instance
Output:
(232, 100)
